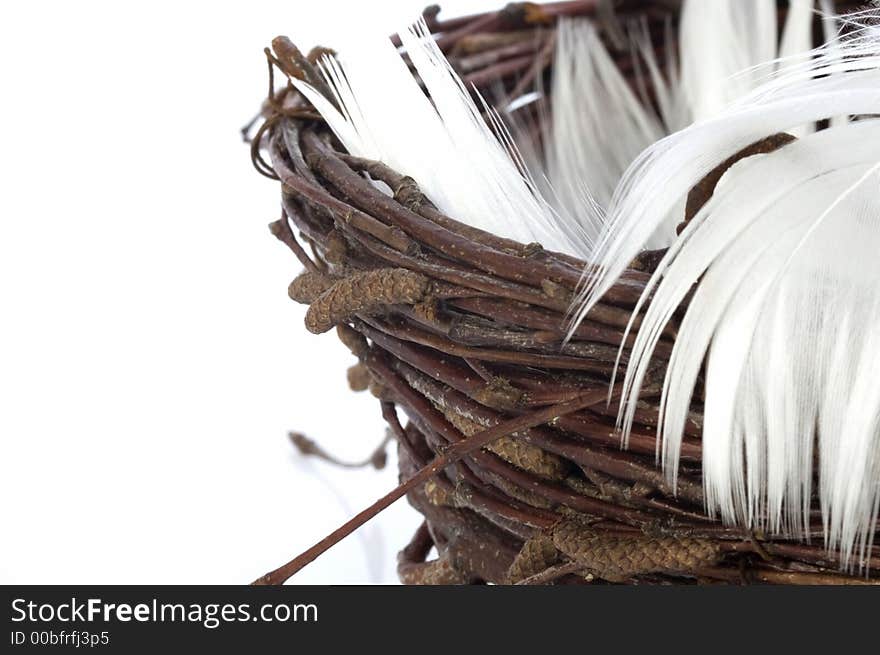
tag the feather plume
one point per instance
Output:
(785, 312)
(439, 138)
(475, 171)
(719, 40)
(598, 125)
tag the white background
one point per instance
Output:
(150, 361)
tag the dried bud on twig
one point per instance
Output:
(307, 287)
(336, 250)
(438, 571)
(358, 377)
(511, 449)
(380, 391)
(353, 340)
(537, 555)
(365, 292)
(619, 557)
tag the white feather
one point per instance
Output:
(440, 139)
(475, 173)
(597, 129)
(828, 85)
(666, 83)
(598, 125)
(831, 26)
(720, 39)
(796, 43)
(785, 256)
(797, 36)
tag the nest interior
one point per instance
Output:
(510, 449)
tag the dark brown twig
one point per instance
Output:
(309, 447)
(452, 455)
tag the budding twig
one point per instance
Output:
(377, 459)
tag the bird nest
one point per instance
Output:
(510, 450)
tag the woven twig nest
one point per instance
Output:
(464, 331)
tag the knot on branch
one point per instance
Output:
(556, 291)
(365, 292)
(458, 496)
(437, 494)
(525, 13)
(531, 249)
(648, 260)
(318, 53)
(427, 310)
(430, 13)
(408, 194)
(294, 64)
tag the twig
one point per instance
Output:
(308, 447)
(454, 454)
